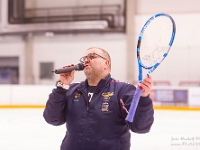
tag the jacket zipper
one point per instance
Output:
(86, 99)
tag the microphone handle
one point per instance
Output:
(65, 70)
(79, 66)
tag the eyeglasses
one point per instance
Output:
(91, 56)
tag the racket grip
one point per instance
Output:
(133, 107)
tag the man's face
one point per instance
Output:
(94, 63)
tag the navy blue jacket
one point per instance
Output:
(99, 124)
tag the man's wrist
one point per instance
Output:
(62, 85)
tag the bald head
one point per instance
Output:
(104, 52)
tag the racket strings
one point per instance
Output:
(155, 41)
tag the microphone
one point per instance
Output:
(79, 66)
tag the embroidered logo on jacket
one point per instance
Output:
(76, 96)
(107, 95)
(104, 106)
(105, 103)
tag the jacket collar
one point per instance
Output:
(102, 83)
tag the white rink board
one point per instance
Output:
(38, 94)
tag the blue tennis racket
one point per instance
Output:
(154, 42)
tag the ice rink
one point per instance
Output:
(25, 129)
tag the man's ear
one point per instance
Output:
(107, 62)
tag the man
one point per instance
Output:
(95, 110)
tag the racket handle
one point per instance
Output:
(133, 107)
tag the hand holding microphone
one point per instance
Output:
(67, 72)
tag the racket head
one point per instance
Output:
(154, 41)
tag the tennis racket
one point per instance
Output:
(154, 42)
